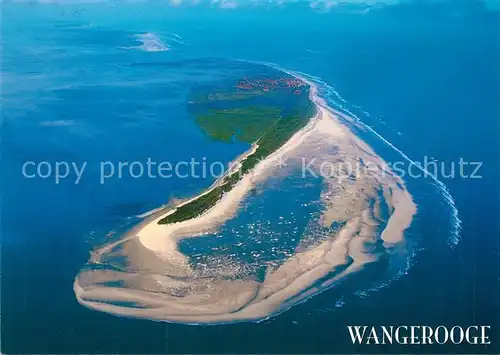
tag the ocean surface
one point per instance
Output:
(108, 82)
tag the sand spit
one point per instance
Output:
(157, 281)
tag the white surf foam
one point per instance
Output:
(342, 107)
(150, 43)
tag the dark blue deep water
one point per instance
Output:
(79, 85)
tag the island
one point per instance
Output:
(151, 269)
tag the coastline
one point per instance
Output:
(296, 280)
(162, 238)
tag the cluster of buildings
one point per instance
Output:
(269, 84)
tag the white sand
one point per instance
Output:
(293, 281)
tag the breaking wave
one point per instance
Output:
(342, 106)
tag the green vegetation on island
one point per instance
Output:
(270, 126)
(245, 124)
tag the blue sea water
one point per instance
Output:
(97, 82)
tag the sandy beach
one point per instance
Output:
(310, 271)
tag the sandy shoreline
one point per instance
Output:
(307, 273)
